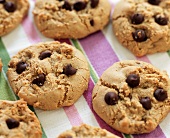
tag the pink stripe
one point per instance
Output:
(99, 52)
(144, 58)
(99, 49)
(33, 37)
(88, 97)
(30, 30)
(64, 40)
(73, 115)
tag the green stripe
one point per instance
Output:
(5, 91)
(127, 136)
(168, 52)
(92, 72)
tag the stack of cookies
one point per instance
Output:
(131, 96)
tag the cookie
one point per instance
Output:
(86, 131)
(1, 65)
(142, 26)
(70, 18)
(18, 121)
(49, 75)
(132, 96)
(12, 13)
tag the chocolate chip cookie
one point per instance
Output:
(86, 131)
(18, 121)
(143, 26)
(132, 96)
(49, 75)
(70, 18)
(11, 14)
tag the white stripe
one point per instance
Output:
(165, 125)
(53, 122)
(122, 52)
(85, 112)
(15, 41)
(161, 61)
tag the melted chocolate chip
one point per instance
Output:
(9, 6)
(92, 22)
(160, 94)
(39, 80)
(133, 80)
(94, 3)
(161, 20)
(21, 66)
(80, 5)
(69, 70)
(137, 18)
(146, 103)
(139, 35)
(12, 123)
(2, 1)
(66, 6)
(44, 55)
(154, 2)
(111, 98)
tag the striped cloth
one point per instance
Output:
(101, 50)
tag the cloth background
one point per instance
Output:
(101, 50)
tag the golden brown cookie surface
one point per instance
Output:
(49, 75)
(86, 131)
(132, 96)
(18, 121)
(142, 26)
(70, 18)
(11, 14)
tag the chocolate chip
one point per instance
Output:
(39, 80)
(12, 123)
(69, 70)
(21, 66)
(161, 20)
(146, 103)
(137, 18)
(66, 5)
(139, 35)
(80, 5)
(92, 22)
(111, 98)
(154, 2)
(160, 94)
(2, 1)
(44, 55)
(9, 6)
(133, 80)
(94, 3)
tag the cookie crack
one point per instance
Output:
(120, 16)
(113, 86)
(83, 22)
